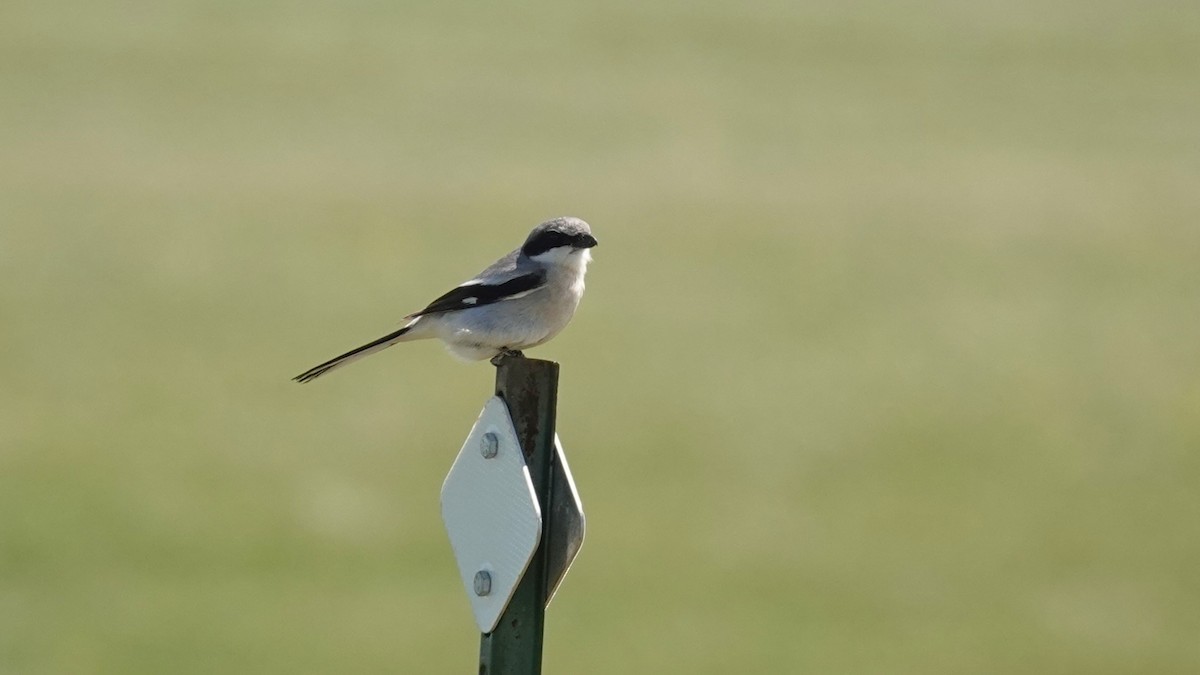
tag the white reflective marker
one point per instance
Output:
(491, 513)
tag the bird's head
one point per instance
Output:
(561, 240)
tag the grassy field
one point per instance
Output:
(890, 361)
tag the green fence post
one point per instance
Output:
(529, 388)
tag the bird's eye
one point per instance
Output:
(546, 241)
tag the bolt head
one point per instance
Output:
(483, 583)
(490, 445)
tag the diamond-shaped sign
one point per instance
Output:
(566, 521)
(491, 514)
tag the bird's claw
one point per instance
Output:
(507, 354)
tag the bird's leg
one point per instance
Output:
(507, 354)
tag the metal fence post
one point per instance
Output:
(529, 388)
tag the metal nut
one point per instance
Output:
(490, 446)
(483, 583)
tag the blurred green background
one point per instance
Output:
(890, 361)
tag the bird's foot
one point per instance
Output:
(507, 354)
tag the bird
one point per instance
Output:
(518, 302)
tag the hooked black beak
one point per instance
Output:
(586, 241)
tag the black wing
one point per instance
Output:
(474, 295)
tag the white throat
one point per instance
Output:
(575, 259)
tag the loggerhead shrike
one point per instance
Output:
(520, 301)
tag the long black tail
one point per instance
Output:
(353, 355)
